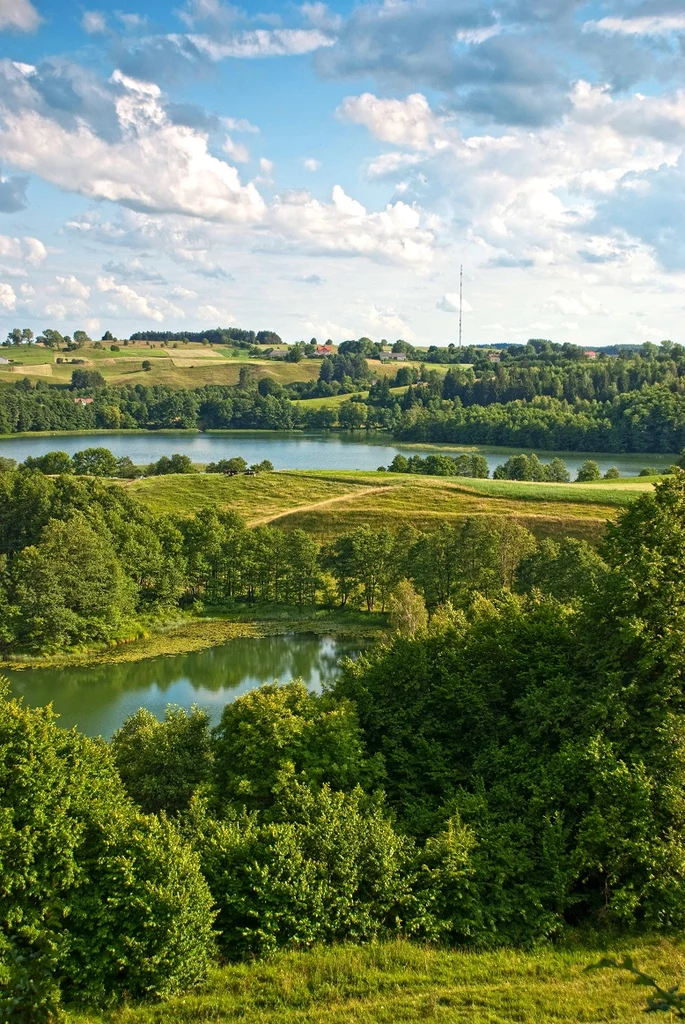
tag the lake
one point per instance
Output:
(287, 450)
(99, 698)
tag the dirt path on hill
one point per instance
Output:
(360, 492)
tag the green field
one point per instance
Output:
(392, 982)
(254, 497)
(334, 401)
(186, 366)
(175, 364)
(328, 502)
(390, 369)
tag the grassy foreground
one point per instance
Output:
(397, 981)
(326, 503)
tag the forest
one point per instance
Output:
(498, 772)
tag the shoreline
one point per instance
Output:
(196, 634)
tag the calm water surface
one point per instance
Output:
(99, 698)
(284, 450)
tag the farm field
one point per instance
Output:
(387, 983)
(187, 366)
(328, 502)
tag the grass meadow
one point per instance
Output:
(329, 502)
(387, 983)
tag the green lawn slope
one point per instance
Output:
(395, 982)
(326, 503)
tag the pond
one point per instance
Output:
(99, 698)
(286, 450)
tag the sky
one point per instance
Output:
(324, 170)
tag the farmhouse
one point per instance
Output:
(321, 351)
(590, 353)
(394, 357)
(82, 401)
(494, 357)
(277, 353)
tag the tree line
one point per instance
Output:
(101, 462)
(234, 336)
(516, 467)
(511, 770)
(651, 419)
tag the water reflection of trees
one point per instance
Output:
(257, 659)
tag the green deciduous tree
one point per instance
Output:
(278, 729)
(95, 462)
(69, 587)
(87, 380)
(52, 463)
(163, 763)
(408, 613)
(588, 472)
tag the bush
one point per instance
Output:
(95, 894)
(162, 763)
(334, 870)
(141, 923)
(165, 466)
(275, 728)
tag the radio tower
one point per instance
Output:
(461, 295)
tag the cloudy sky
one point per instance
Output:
(323, 170)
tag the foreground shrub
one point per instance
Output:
(114, 897)
(140, 921)
(334, 870)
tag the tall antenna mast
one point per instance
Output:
(461, 297)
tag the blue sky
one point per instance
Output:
(323, 170)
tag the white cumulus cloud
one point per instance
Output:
(72, 286)
(26, 250)
(129, 299)
(344, 227)
(236, 151)
(8, 298)
(449, 303)
(153, 165)
(19, 14)
(279, 42)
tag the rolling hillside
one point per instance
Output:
(327, 502)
